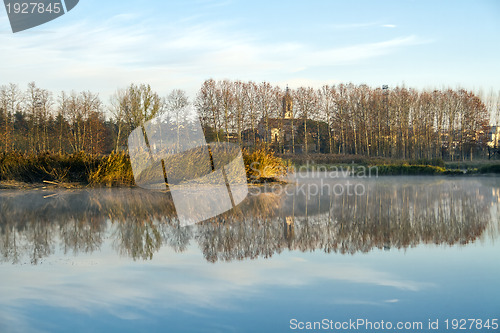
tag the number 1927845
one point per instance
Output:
(471, 324)
(33, 8)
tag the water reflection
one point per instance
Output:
(390, 214)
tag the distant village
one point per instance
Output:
(285, 134)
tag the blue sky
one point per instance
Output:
(105, 45)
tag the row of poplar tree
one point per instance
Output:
(343, 119)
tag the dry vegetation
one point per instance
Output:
(111, 170)
(262, 166)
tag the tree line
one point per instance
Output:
(398, 122)
(351, 119)
(33, 121)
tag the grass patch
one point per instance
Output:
(388, 166)
(113, 170)
(35, 168)
(470, 165)
(405, 170)
(260, 165)
(263, 166)
(328, 159)
(490, 168)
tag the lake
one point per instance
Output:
(349, 254)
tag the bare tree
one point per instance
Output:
(251, 94)
(265, 100)
(10, 103)
(38, 104)
(118, 106)
(306, 100)
(177, 107)
(207, 104)
(132, 107)
(238, 110)
(226, 98)
(326, 106)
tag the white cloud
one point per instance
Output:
(127, 48)
(392, 300)
(351, 26)
(359, 25)
(352, 54)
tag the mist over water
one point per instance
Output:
(406, 248)
(391, 212)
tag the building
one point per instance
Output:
(494, 137)
(280, 132)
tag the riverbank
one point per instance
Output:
(44, 185)
(51, 170)
(355, 164)
(113, 170)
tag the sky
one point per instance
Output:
(102, 46)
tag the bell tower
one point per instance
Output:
(287, 105)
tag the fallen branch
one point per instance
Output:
(51, 182)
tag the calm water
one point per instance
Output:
(114, 260)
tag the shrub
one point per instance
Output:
(113, 170)
(425, 161)
(262, 166)
(491, 168)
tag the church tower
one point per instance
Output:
(287, 105)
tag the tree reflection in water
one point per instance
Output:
(34, 224)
